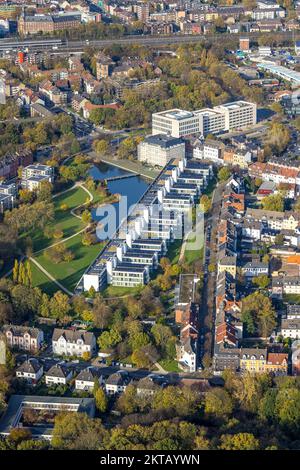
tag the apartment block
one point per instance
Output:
(34, 175)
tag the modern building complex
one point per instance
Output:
(157, 150)
(34, 175)
(226, 117)
(158, 219)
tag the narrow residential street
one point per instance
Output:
(209, 282)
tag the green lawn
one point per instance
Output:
(170, 365)
(116, 291)
(210, 187)
(174, 251)
(193, 255)
(39, 279)
(291, 298)
(63, 220)
(68, 274)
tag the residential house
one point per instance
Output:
(277, 363)
(58, 374)
(87, 378)
(73, 342)
(31, 371)
(253, 360)
(255, 268)
(290, 328)
(116, 383)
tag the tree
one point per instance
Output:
(287, 409)
(127, 402)
(109, 339)
(218, 403)
(274, 202)
(258, 314)
(261, 281)
(86, 217)
(211, 268)
(18, 435)
(101, 146)
(278, 137)
(145, 356)
(100, 400)
(88, 239)
(101, 312)
(224, 173)
(77, 431)
(205, 203)
(240, 441)
(59, 305)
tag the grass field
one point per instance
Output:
(174, 251)
(40, 280)
(63, 220)
(170, 365)
(69, 273)
(116, 291)
(291, 298)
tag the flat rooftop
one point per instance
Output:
(186, 288)
(177, 114)
(12, 415)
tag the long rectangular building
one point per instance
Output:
(226, 117)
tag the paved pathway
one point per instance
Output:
(63, 288)
(73, 213)
(64, 239)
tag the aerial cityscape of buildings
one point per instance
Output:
(149, 225)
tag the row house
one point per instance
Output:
(255, 360)
(23, 337)
(188, 318)
(285, 285)
(268, 13)
(275, 220)
(11, 162)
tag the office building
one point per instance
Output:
(159, 149)
(226, 117)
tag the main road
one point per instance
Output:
(78, 45)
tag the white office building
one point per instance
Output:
(158, 150)
(226, 117)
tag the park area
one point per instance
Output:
(70, 228)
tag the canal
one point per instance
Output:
(130, 189)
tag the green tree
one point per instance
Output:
(261, 281)
(274, 202)
(240, 441)
(218, 403)
(100, 400)
(59, 305)
(258, 314)
(224, 173)
(77, 431)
